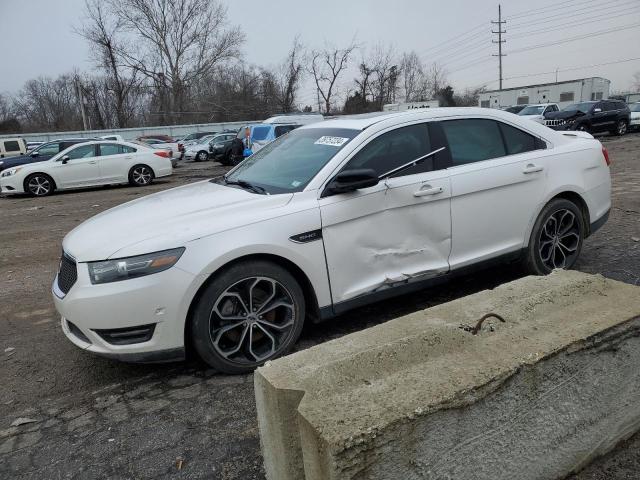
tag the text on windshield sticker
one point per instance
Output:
(333, 141)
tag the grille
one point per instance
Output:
(127, 336)
(554, 123)
(67, 275)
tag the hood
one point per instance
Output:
(10, 162)
(168, 219)
(564, 115)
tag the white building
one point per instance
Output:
(562, 93)
(401, 107)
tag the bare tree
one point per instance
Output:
(105, 33)
(177, 42)
(636, 81)
(413, 77)
(435, 80)
(326, 65)
(291, 75)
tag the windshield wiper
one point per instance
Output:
(246, 185)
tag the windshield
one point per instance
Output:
(579, 107)
(635, 107)
(533, 110)
(288, 164)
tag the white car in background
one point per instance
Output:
(88, 164)
(634, 123)
(199, 151)
(331, 216)
(536, 112)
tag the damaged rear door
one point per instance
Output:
(397, 231)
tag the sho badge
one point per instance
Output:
(307, 236)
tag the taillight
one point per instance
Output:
(605, 154)
(163, 153)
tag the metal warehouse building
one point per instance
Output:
(562, 93)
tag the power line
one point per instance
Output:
(436, 46)
(573, 24)
(579, 37)
(500, 41)
(574, 14)
(551, 7)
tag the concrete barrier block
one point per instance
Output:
(422, 397)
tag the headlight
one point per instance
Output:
(132, 267)
(11, 171)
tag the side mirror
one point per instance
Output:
(35, 154)
(351, 180)
(597, 110)
(65, 159)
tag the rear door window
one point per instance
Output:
(107, 149)
(50, 149)
(473, 140)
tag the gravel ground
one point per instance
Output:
(87, 417)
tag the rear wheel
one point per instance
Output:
(250, 313)
(621, 128)
(140, 175)
(39, 185)
(556, 239)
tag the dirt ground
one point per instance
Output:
(88, 417)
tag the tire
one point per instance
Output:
(39, 185)
(556, 239)
(141, 175)
(222, 329)
(621, 128)
(202, 156)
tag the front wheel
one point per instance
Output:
(556, 239)
(202, 156)
(140, 175)
(39, 185)
(250, 313)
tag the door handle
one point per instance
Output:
(531, 168)
(127, 158)
(92, 163)
(428, 190)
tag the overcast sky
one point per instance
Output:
(37, 36)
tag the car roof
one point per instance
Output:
(365, 121)
(541, 104)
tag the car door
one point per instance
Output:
(394, 232)
(497, 182)
(112, 161)
(79, 167)
(600, 119)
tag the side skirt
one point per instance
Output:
(410, 286)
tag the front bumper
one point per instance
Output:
(89, 310)
(11, 184)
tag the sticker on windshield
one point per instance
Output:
(333, 141)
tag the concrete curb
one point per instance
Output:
(535, 397)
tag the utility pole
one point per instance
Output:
(500, 41)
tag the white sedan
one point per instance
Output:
(88, 164)
(329, 217)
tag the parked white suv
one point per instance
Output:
(536, 112)
(331, 216)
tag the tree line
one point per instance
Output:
(162, 62)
